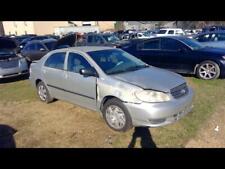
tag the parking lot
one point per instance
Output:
(61, 124)
(120, 73)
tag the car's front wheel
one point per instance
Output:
(43, 93)
(208, 70)
(116, 115)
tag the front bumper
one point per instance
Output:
(21, 69)
(160, 114)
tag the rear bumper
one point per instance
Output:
(160, 114)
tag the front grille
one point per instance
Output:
(179, 91)
(9, 63)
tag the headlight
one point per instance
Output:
(223, 57)
(152, 96)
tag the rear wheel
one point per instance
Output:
(43, 93)
(116, 115)
(208, 70)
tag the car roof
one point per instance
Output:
(84, 49)
(42, 41)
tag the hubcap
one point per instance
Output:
(207, 71)
(42, 92)
(115, 117)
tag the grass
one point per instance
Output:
(209, 95)
(17, 91)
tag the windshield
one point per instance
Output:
(192, 43)
(4, 52)
(50, 45)
(115, 61)
(111, 38)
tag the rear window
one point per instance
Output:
(56, 61)
(151, 44)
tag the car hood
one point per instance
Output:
(152, 78)
(214, 50)
(7, 43)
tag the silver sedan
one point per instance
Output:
(126, 91)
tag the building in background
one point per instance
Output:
(48, 27)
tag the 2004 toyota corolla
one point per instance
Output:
(124, 89)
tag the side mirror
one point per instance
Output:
(42, 49)
(88, 72)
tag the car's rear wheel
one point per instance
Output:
(208, 70)
(116, 115)
(43, 93)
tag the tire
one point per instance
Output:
(116, 104)
(47, 98)
(212, 71)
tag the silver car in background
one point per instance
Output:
(11, 64)
(126, 91)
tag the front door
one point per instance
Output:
(80, 90)
(176, 56)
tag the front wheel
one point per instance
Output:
(208, 70)
(116, 115)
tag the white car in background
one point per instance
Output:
(170, 32)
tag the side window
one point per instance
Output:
(39, 46)
(77, 62)
(90, 39)
(30, 47)
(56, 61)
(171, 32)
(151, 44)
(171, 44)
(204, 38)
(221, 37)
(98, 40)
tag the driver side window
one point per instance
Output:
(76, 62)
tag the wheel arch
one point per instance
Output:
(105, 99)
(205, 60)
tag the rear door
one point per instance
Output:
(81, 90)
(55, 74)
(149, 51)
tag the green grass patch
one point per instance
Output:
(17, 91)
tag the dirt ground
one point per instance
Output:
(61, 124)
(212, 133)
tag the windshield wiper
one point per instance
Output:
(137, 67)
(134, 68)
